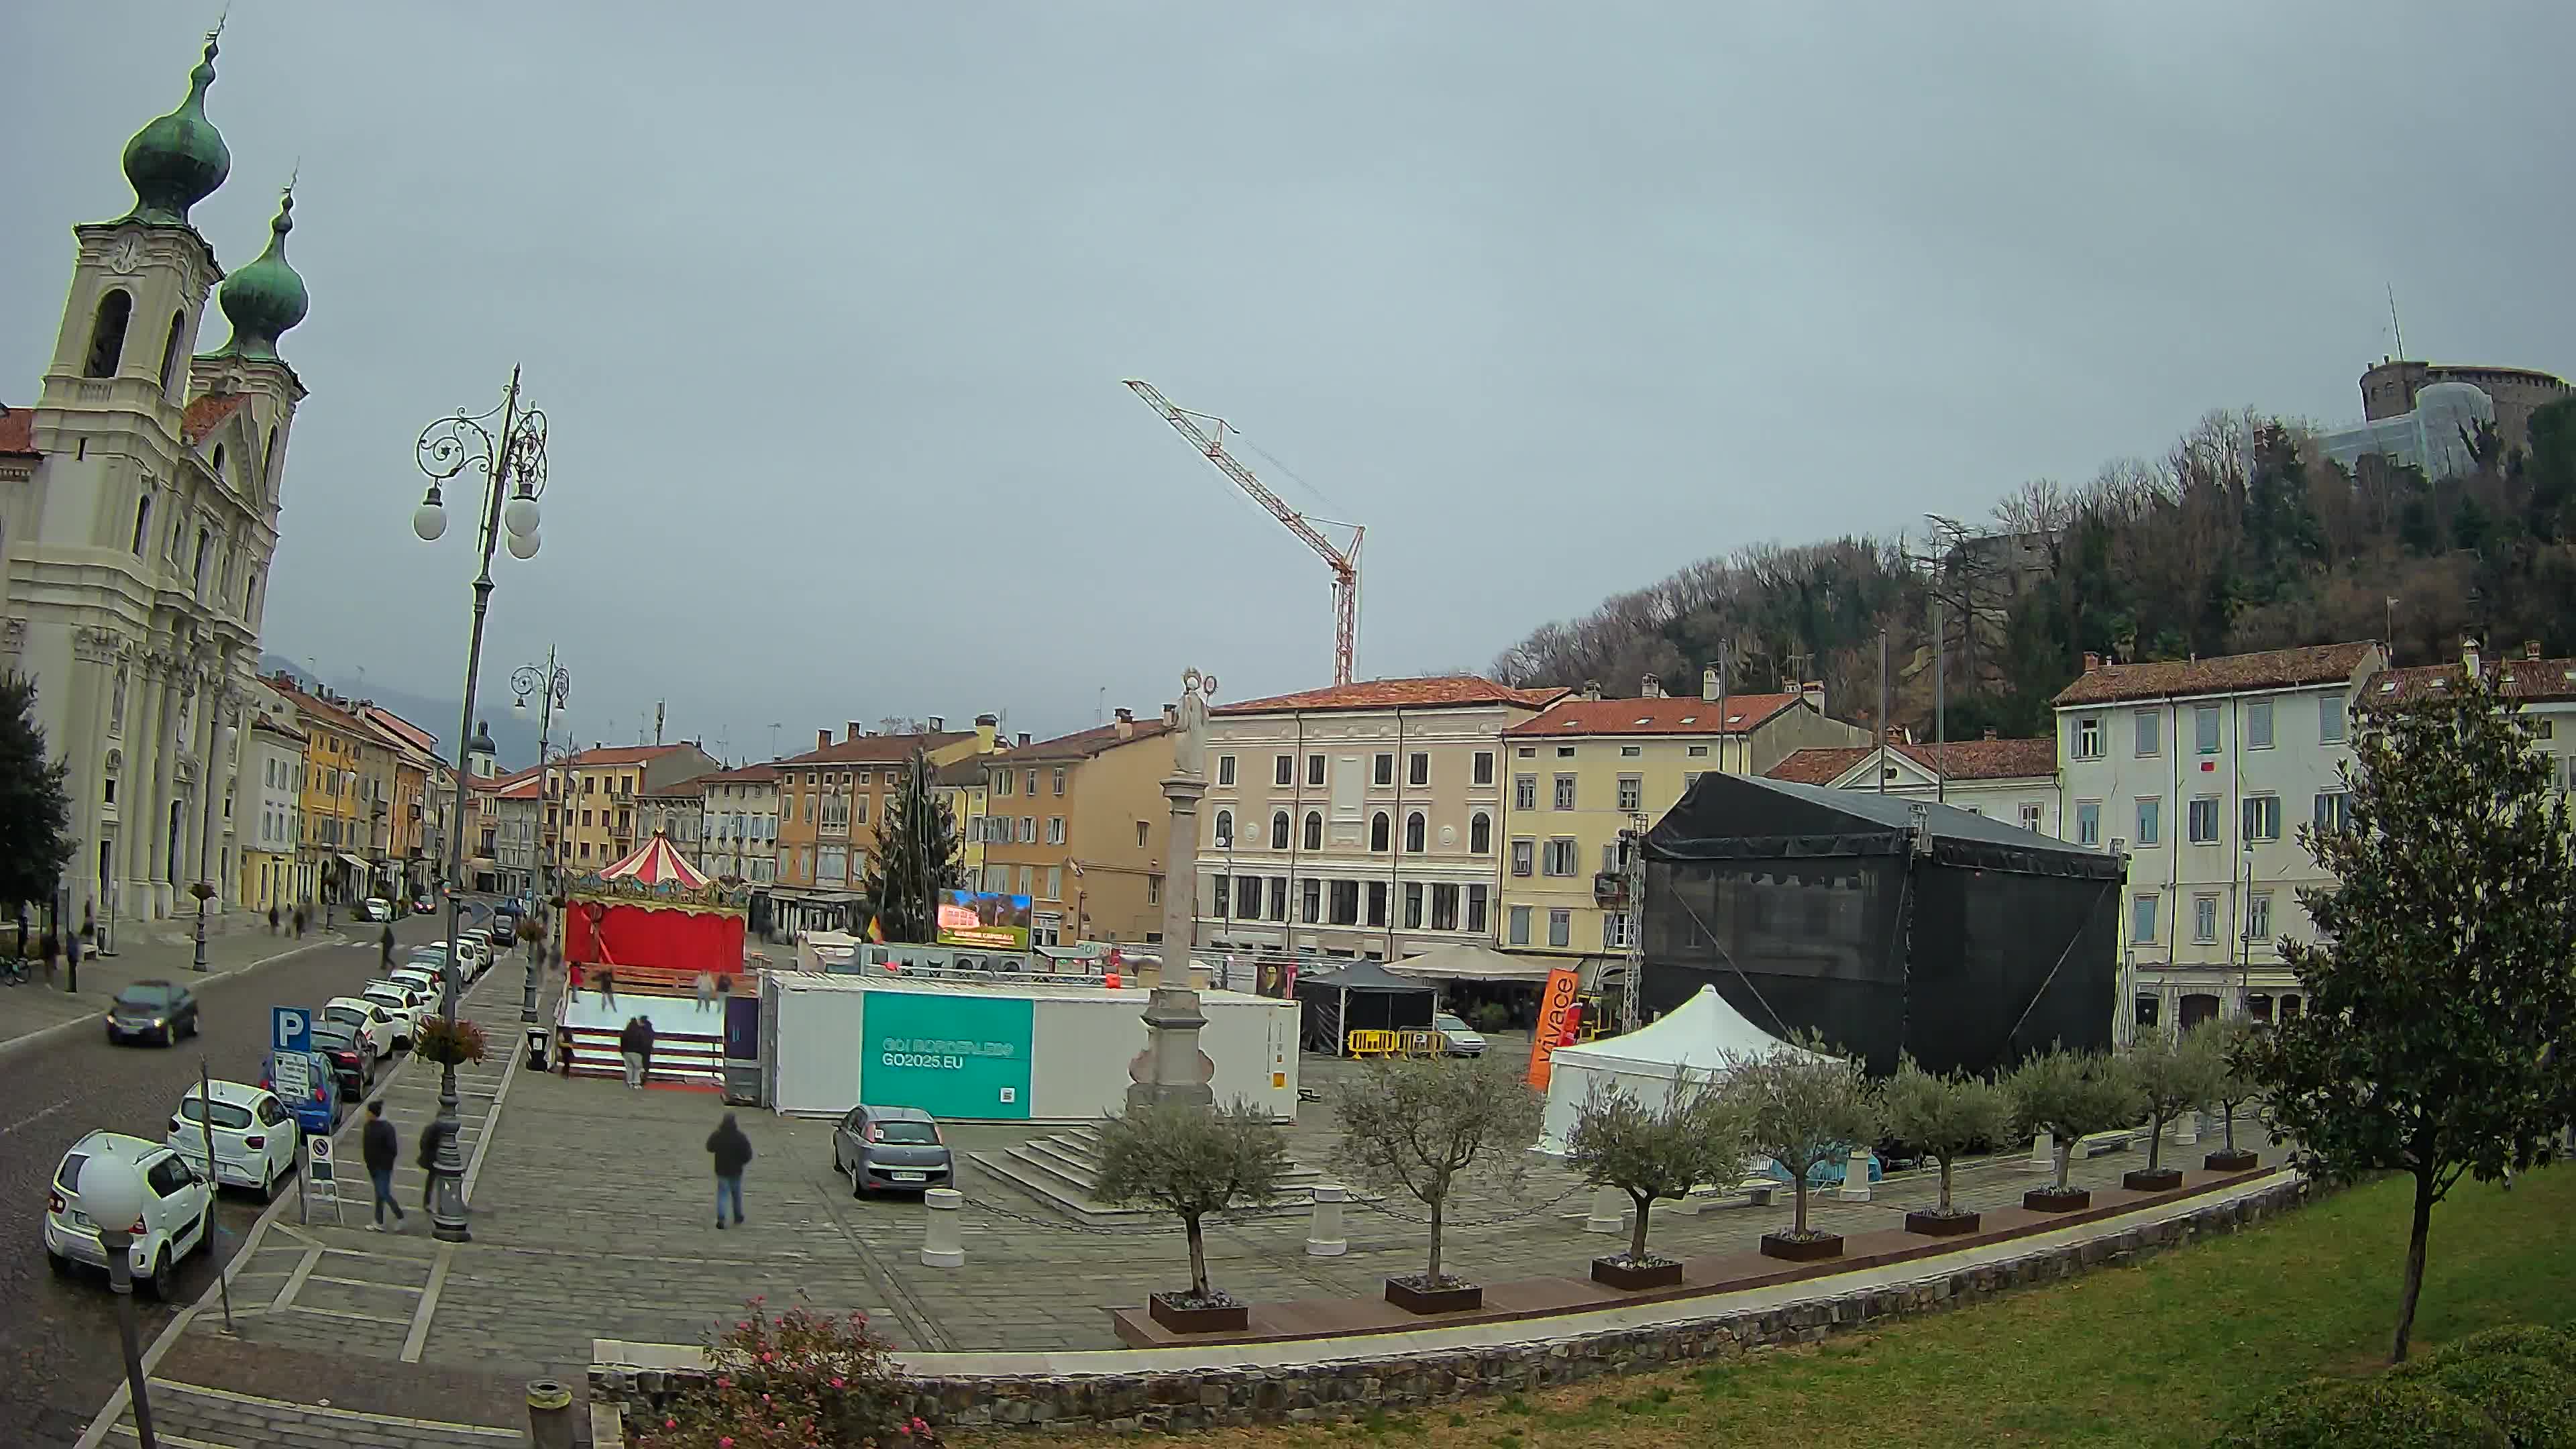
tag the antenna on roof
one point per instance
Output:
(2394, 328)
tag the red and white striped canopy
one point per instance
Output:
(655, 863)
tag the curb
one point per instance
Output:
(44, 1034)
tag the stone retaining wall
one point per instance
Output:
(1348, 1385)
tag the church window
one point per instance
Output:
(170, 350)
(142, 522)
(107, 333)
(219, 462)
(205, 547)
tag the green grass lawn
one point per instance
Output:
(2164, 1353)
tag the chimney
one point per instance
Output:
(1126, 724)
(2469, 654)
(1990, 732)
(853, 731)
(1651, 688)
(822, 739)
(1171, 716)
(2531, 649)
(1708, 684)
(2092, 661)
(1024, 739)
(939, 724)
(988, 728)
(1814, 689)
(1592, 690)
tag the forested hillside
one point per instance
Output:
(2241, 536)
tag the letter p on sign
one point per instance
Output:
(290, 1029)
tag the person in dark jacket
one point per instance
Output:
(732, 1152)
(385, 946)
(644, 1028)
(430, 1138)
(630, 1045)
(377, 1147)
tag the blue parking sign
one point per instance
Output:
(290, 1029)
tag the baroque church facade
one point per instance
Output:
(139, 504)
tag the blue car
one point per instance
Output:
(318, 1111)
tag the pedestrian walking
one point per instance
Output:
(272, 920)
(630, 1045)
(49, 949)
(706, 990)
(645, 1024)
(377, 1147)
(385, 945)
(732, 1152)
(608, 988)
(430, 1138)
(299, 923)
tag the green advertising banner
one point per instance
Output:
(957, 1057)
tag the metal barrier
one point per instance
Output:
(1406, 1043)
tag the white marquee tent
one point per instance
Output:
(1693, 1041)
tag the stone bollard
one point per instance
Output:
(1324, 1230)
(943, 1243)
(1609, 1211)
(549, 1415)
(1856, 1177)
(2187, 1128)
(2043, 1154)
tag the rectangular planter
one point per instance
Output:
(1434, 1300)
(1802, 1250)
(2238, 1161)
(2159, 1179)
(1227, 1318)
(1941, 1225)
(2043, 1200)
(1616, 1274)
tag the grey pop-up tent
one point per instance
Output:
(1362, 996)
(1888, 925)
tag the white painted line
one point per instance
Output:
(427, 1309)
(329, 1412)
(34, 1118)
(164, 1436)
(367, 1283)
(483, 1141)
(342, 1313)
(295, 1281)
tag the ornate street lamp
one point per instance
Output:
(110, 1190)
(511, 455)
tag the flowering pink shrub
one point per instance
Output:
(798, 1380)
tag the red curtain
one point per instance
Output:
(621, 935)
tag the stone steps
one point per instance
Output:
(1063, 1171)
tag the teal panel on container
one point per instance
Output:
(958, 1057)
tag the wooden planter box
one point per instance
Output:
(2046, 1200)
(1224, 1318)
(2239, 1160)
(1801, 1250)
(2158, 1179)
(1616, 1274)
(1455, 1299)
(1941, 1225)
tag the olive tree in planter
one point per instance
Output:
(1697, 1135)
(1944, 1118)
(1191, 1162)
(2173, 1076)
(1802, 1106)
(2232, 1043)
(2070, 1095)
(1417, 1125)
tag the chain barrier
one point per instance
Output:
(1446, 1223)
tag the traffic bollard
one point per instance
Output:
(549, 1415)
(1609, 1211)
(1856, 1177)
(943, 1242)
(1324, 1230)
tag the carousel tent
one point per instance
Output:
(1362, 996)
(652, 917)
(1693, 1042)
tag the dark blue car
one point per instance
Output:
(318, 1110)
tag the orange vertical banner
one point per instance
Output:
(1556, 1007)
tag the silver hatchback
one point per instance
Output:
(890, 1149)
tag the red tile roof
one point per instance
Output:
(620, 755)
(1664, 716)
(747, 775)
(331, 714)
(1083, 744)
(207, 413)
(1457, 691)
(2517, 678)
(2225, 674)
(18, 432)
(876, 749)
(1958, 760)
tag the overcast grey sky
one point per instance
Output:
(830, 302)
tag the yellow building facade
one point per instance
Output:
(1580, 773)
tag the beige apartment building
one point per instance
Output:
(1078, 824)
(1363, 820)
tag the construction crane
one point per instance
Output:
(1345, 561)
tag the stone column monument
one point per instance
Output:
(1172, 1068)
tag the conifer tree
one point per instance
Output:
(917, 858)
(35, 811)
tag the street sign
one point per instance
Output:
(321, 1181)
(290, 1076)
(290, 1029)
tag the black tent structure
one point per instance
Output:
(1887, 925)
(1362, 996)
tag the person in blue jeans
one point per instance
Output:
(732, 1152)
(377, 1147)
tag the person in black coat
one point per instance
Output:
(430, 1138)
(378, 1145)
(632, 1045)
(732, 1152)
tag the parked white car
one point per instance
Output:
(423, 981)
(402, 1004)
(177, 1210)
(370, 1020)
(471, 957)
(255, 1136)
(1464, 1040)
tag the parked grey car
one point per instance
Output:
(895, 1149)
